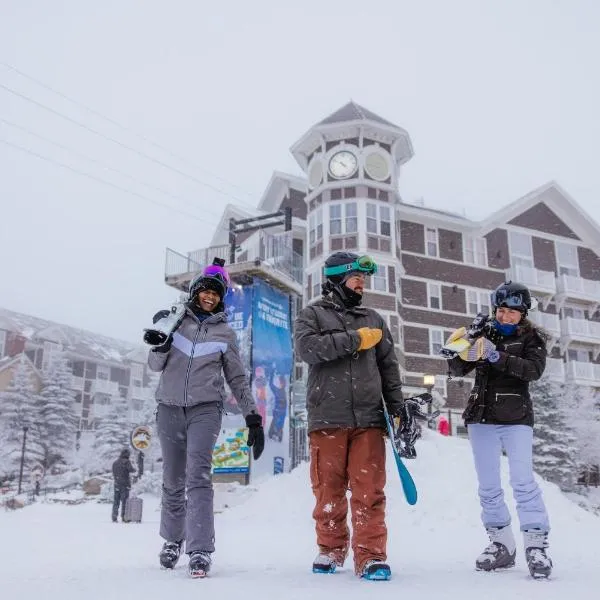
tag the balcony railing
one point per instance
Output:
(534, 279)
(555, 369)
(77, 383)
(105, 386)
(141, 393)
(583, 372)
(548, 321)
(274, 251)
(581, 329)
(578, 287)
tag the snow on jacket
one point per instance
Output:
(193, 368)
(501, 392)
(345, 386)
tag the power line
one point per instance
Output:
(117, 142)
(100, 180)
(101, 163)
(121, 126)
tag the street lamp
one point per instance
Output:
(429, 383)
(25, 429)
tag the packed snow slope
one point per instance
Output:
(265, 545)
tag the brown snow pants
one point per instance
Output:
(349, 459)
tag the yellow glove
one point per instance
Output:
(369, 337)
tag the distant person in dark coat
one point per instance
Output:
(122, 469)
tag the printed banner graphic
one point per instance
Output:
(271, 356)
(230, 454)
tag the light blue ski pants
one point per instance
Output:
(487, 442)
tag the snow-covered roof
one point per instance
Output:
(80, 342)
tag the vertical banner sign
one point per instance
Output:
(271, 356)
(238, 307)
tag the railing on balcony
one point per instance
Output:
(177, 264)
(205, 256)
(536, 280)
(141, 393)
(548, 321)
(100, 408)
(555, 369)
(583, 371)
(77, 383)
(272, 250)
(581, 329)
(105, 386)
(578, 287)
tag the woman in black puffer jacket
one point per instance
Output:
(509, 353)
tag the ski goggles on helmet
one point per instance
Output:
(363, 264)
(217, 272)
(508, 299)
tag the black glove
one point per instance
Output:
(161, 314)
(407, 419)
(256, 434)
(477, 327)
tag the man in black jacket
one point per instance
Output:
(122, 469)
(507, 352)
(352, 367)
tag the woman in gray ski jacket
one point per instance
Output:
(190, 397)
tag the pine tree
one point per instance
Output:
(585, 419)
(553, 442)
(112, 435)
(56, 420)
(17, 411)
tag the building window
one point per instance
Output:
(431, 241)
(315, 227)
(103, 372)
(343, 218)
(316, 279)
(521, 249)
(478, 302)
(578, 355)
(434, 295)
(436, 341)
(567, 259)
(381, 225)
(475, 251)
(379, 281)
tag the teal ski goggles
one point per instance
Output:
(363, 264)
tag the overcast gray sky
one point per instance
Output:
(498, 97)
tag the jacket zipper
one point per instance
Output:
(189, 368)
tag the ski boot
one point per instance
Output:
(539, 563)
(324, 563)
(500, 554)
(199, 564)
(169, 554)
(376, 570)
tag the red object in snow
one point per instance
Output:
(443, 426)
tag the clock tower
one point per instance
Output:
(352, 161)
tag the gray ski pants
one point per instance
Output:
(187, 438)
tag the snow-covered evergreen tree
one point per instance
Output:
(584, 410)
(112, 435)
(18, 410)
(56, 420)
(554, 453)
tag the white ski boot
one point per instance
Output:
(500, 554)
(539, 563)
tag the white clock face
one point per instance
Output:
(315, 173)
(376, 166)
(343, 164)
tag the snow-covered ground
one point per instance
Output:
(265, 545)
